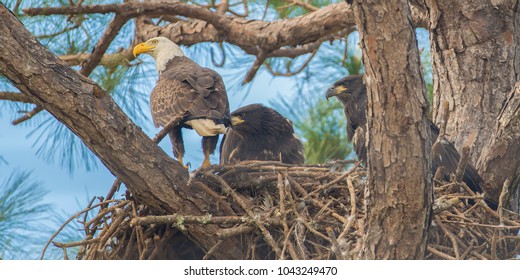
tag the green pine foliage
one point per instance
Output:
(21, 216)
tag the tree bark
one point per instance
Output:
(500, 158)
(399, 191)
(475, 60)
(150, 175)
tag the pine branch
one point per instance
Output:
(15, 96)
(111, 32)
(235, 30)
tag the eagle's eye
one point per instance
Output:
(154, 42)
(242, 114)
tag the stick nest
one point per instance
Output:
(283, 211)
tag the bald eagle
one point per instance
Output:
(260, 133)
(186, 89)
(351, 91)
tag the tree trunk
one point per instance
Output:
(399, 191)
(475, 60)
(500, 157)
(150, 175)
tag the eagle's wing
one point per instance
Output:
(445, 154)
(292, 151)
(192, 91)
(358, 142)
(230, 148)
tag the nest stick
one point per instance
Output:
(213, 249)
(283, 213)
(268, 237)
(67, 222)
(353, 209)
(439, 253)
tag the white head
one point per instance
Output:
(161, 49)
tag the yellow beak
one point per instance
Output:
(142, 48)
(235, 120)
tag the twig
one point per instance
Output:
(28, 115)
(115, 187)
(453, 239)
(213, 249)
(72, 218)
(439, 253)
(15, 96)
(303, 4)
(234, 231)
(289, 71)
(335, 181)
(179, 220)
(481, 225)
(353, 209)
(223, 6)
(251, 73)
(315, 202)
(75, 244)
(218, 198)
(494, 244)
(269, 239)
(281, 193)
(99, 50)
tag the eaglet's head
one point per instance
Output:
(161, 49)
(256, 119)
(346, 88)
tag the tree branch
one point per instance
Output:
(28, 115)
(238, 31)
(99, 50)
(15, 96)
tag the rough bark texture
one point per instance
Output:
(250, 35)
(399, 191)
(500, 158)
(476, 62)
(152, 177)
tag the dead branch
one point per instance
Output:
(179, 220)
(72, 218)
(101, 47)
(28, 115)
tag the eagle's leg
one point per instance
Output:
(209, 144)
(177, 143)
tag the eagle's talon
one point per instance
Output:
(206, 163)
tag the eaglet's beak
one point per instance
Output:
(235, 120)
(142, 48)
(333, 91)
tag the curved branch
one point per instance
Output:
(238, 31)
(101, 47)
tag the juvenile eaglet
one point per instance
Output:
(260, 133)
(351, 91)
(186, 89)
